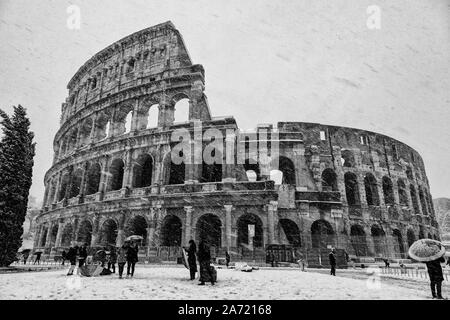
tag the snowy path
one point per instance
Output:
(172, 283)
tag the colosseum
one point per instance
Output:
(300, 186)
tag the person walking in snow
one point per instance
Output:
(227, 258)
(132, 258)
(122, 258)
(38, 258)
(204, 259)
(192, 260)
(436, 277)
(332, 259)
(112, 259)
(82, 256)
(63, 257)
(72, 257)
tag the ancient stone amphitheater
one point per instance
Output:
(113, 175)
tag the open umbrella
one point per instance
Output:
(425, 250)
(37, 252)
(134, 237)
(25, 250)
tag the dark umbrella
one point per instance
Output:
(25, 250)
(37, 252)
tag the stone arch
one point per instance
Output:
(53, 234)
(379, 240)
(65, 179)
(415, 203)
(358, 240)
(108, 233)
(276, 176)
(321, 234)
(252, 167)
(116, 174)
(411, 237)
(143, 171)
(242, 224)
(209, 228)
(423, 202)
(370, 185)
(287, 167)
(171, 231)
(72, 139)
(291, 231)
(347, 158)
(85, 232)
(148, 114)
(123, 113)
(180, 101)
(85, 131)
(173, 173)
(329, 180)
(402, 194)
(409, 173)
(93, 178)
(388, 190)
(67, 235)
(137, 225)
(43, 236)
(351, 189)
(102, 126)
(75, 187)
(212, 172)
(398, 242)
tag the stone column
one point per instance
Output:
(94, 125)
(59, 234)
(58, 183)
(272, 220)
(228, 232)
(95, 230)
(127, 174)
(188, 226)
(135, 119)
(48, 238)
(120, 231)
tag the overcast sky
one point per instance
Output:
(265, 61)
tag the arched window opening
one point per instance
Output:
(153, 114)
(402, 194)
(351, 189)
(322, 234)
(251, 175)
(243, 231)
(142, 171)
(137, 226)
(128, 120)
(108, 233)
(64, 185)
(276, 176)
(370, 185)
(209, 229)
(388, 191)
(176, 172)
(423, 202)
(329, 180)
(85, 132)
(76, 183)
(67, 236)
(414, 200)
(379, 240)
(286, 166)
(85, 233)
(252, 170)
(93, 179)
(53, 235)
(43, 238)
(291, 232)
(171, 231)
(116, 174)
(181, 110)
(410, 237)
(358, 240)
(398, 243)
(347, 159)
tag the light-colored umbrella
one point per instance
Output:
(425, 250)
(134, 237)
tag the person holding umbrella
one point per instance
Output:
(26, 253)
(72, 257)
(192, 260)
(112, 259)
(332, 259)
(431, 252)
(132, 258)
(38, 257)
(122, 258)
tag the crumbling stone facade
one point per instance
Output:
(112, 174)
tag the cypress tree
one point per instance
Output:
(17, 150)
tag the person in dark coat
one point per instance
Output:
(132, 258)
(63, 257)
(436, 277)
(204, 259)
(112, 259)
(72, 257)
(82, 255)
(38, 258)
(192, 260)
(332, 258)
(122, 258)
(227, 258)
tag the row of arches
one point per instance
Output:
(373, 198)
(120, 121)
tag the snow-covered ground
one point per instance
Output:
(173, 283)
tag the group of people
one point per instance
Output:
(126, 254)
(203, 255)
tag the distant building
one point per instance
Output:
(442, 207)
